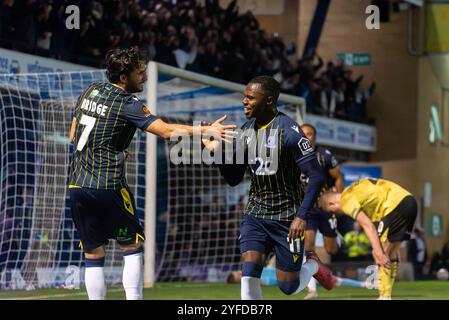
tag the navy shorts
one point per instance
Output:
(265, 235)
(100, 215)
(326, 223)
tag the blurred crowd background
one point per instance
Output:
(204, 38)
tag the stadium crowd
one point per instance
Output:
(207, 39)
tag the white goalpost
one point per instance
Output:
(191, 216)
(151, 181)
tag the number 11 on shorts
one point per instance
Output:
(295, 245)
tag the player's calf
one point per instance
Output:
(94, 279)
(294, 282)
(94, 274)
(133, 271)
(250, 282)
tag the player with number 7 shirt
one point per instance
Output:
(105, 118)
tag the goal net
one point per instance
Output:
(195, 217)
(198, 223)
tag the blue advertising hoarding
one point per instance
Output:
(343, 134)
(354, 173)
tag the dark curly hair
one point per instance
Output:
(123, 61)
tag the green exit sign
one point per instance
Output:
(434, 225)
(354, 59)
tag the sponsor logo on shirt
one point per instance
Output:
(305, 146)
(93, 93)
(334, 162)
(271, 142)
(146, 111)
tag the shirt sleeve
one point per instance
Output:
(305, 158)
(350, 206)
(138, 114)
(234, 173)
(330, 160)
(298, 146)
(314, 172)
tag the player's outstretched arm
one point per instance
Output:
(167, 130)
(370, 230)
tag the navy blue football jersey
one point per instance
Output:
(106, 119)
(327, 161)
(274, 154)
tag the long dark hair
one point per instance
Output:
(123, 61)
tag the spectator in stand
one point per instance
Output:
(205, 38)
(417, 252)
(44, 33)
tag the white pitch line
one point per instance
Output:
(59, 295)
(196, 285)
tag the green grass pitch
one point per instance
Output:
(420, 290)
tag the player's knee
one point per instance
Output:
(131, 249)
(96, 253)
(251, 269)
(289, 287)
